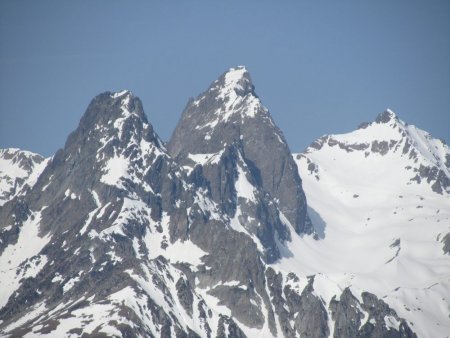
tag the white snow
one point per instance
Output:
(12, 172)
(119, 94)
(131, 210)
(231, 103)
(355, 252)
(126, 163)
(115, 169)
(114, 258)
(92, 213)
(34, 312)
(57, 278)
(7, 228)
(168, 298)
(391, 323)
(363, 205)
(244, 188)
(28, 245)
(37, 171)
(71, 195)
(203, 159)
(70, 283)
(120, 168)
(238, 224)
(102, 210)
(95, 316)
(177, 252)
(10, 167)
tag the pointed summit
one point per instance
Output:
(114, 144)
(115, 118)
(106, 108)
(235, 80)
(229, 112)
(386, 116)
(229, 98)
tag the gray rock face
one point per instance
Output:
(299, 313)
(228, 329)
(311, 320)
(346, 315)
(439, 180)
(234, 184)
(446, 241)
(371, 318)
(99, 200)
(305, 314)
(128, 240)
(185, 295)
(380, 147)
(385, 117)
(229, 112)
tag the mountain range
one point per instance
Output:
(223, 231)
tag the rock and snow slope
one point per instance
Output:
(381, 197)
(122, 243)
(228, 115)
(119, 236)
(19, 169)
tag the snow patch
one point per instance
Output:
(17, 256)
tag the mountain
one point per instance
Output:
(381, 196)
(122, 244)
(19, 171)
(111, 221)
(227, 154)
(227, 115)
(210, 235)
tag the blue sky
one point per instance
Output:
(319, 66)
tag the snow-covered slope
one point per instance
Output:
(18, 169)
(379, 198)
(209, 237)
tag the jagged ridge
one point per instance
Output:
(131, 239)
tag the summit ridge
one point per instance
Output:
(223, 232)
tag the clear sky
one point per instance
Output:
(320, 67)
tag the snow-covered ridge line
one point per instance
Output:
(137, 247)
(424, 157)
(19, 169)
(382, 220)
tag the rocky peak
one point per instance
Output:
(235, 79)
(108, 154)
(229, 99)
(110, 106)
(386, 116)
(109, 114)
(229, 112)
(114, 124)
(125, 243)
